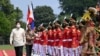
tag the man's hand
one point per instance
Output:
(32, 38)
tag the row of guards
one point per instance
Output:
(70, 38)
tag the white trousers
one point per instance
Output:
(50, 50)
(80, 50)
(71, 51)
(59, 51)
(76, 51)
(43, 50)
(36, 48)
(66, 51)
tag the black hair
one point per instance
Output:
(49, 27)
(70, 24)
(57, 26)
(58, 22)
(83, 22)
(18, 22)
(42, 28)
(64, 25)
(74, 17)
(67, 20)
(53, 26)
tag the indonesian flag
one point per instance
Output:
(30, 18)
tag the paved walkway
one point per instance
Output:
(8, 53)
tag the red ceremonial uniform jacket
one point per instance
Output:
(59, 37)
(39, 35)
(74, 35)
(79, 35)
(67, 39)
(54, 32)
(44, 38)
(49, 33)
(36, 39)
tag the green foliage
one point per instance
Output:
(8, 17)
(6, 47)
(76, 6)
(43, 14)
(23, 24)
(5, 25)
(61, 17)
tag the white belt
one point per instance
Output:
(57, 40)
(37, 38)
(67, 40)
(42, 40)
(51, 40)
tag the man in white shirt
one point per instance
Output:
(18, 39)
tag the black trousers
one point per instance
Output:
(28, 50)
(19, 51)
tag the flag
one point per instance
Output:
(30, 18)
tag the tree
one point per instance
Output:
(76, 6)
(43, 14)
(8, 17)
(5, 27)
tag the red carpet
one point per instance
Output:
(1, 53)
(8, 53)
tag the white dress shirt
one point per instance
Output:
(17, 37)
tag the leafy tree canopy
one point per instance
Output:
(8, 16)
(76, 6)
(43, 14)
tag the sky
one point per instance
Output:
(23, 5)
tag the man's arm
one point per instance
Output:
(11, 38)
(24, 36)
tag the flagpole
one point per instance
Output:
(27, 19)
(32, 7)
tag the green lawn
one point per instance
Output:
(6, 47)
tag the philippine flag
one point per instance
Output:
(30, 18)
